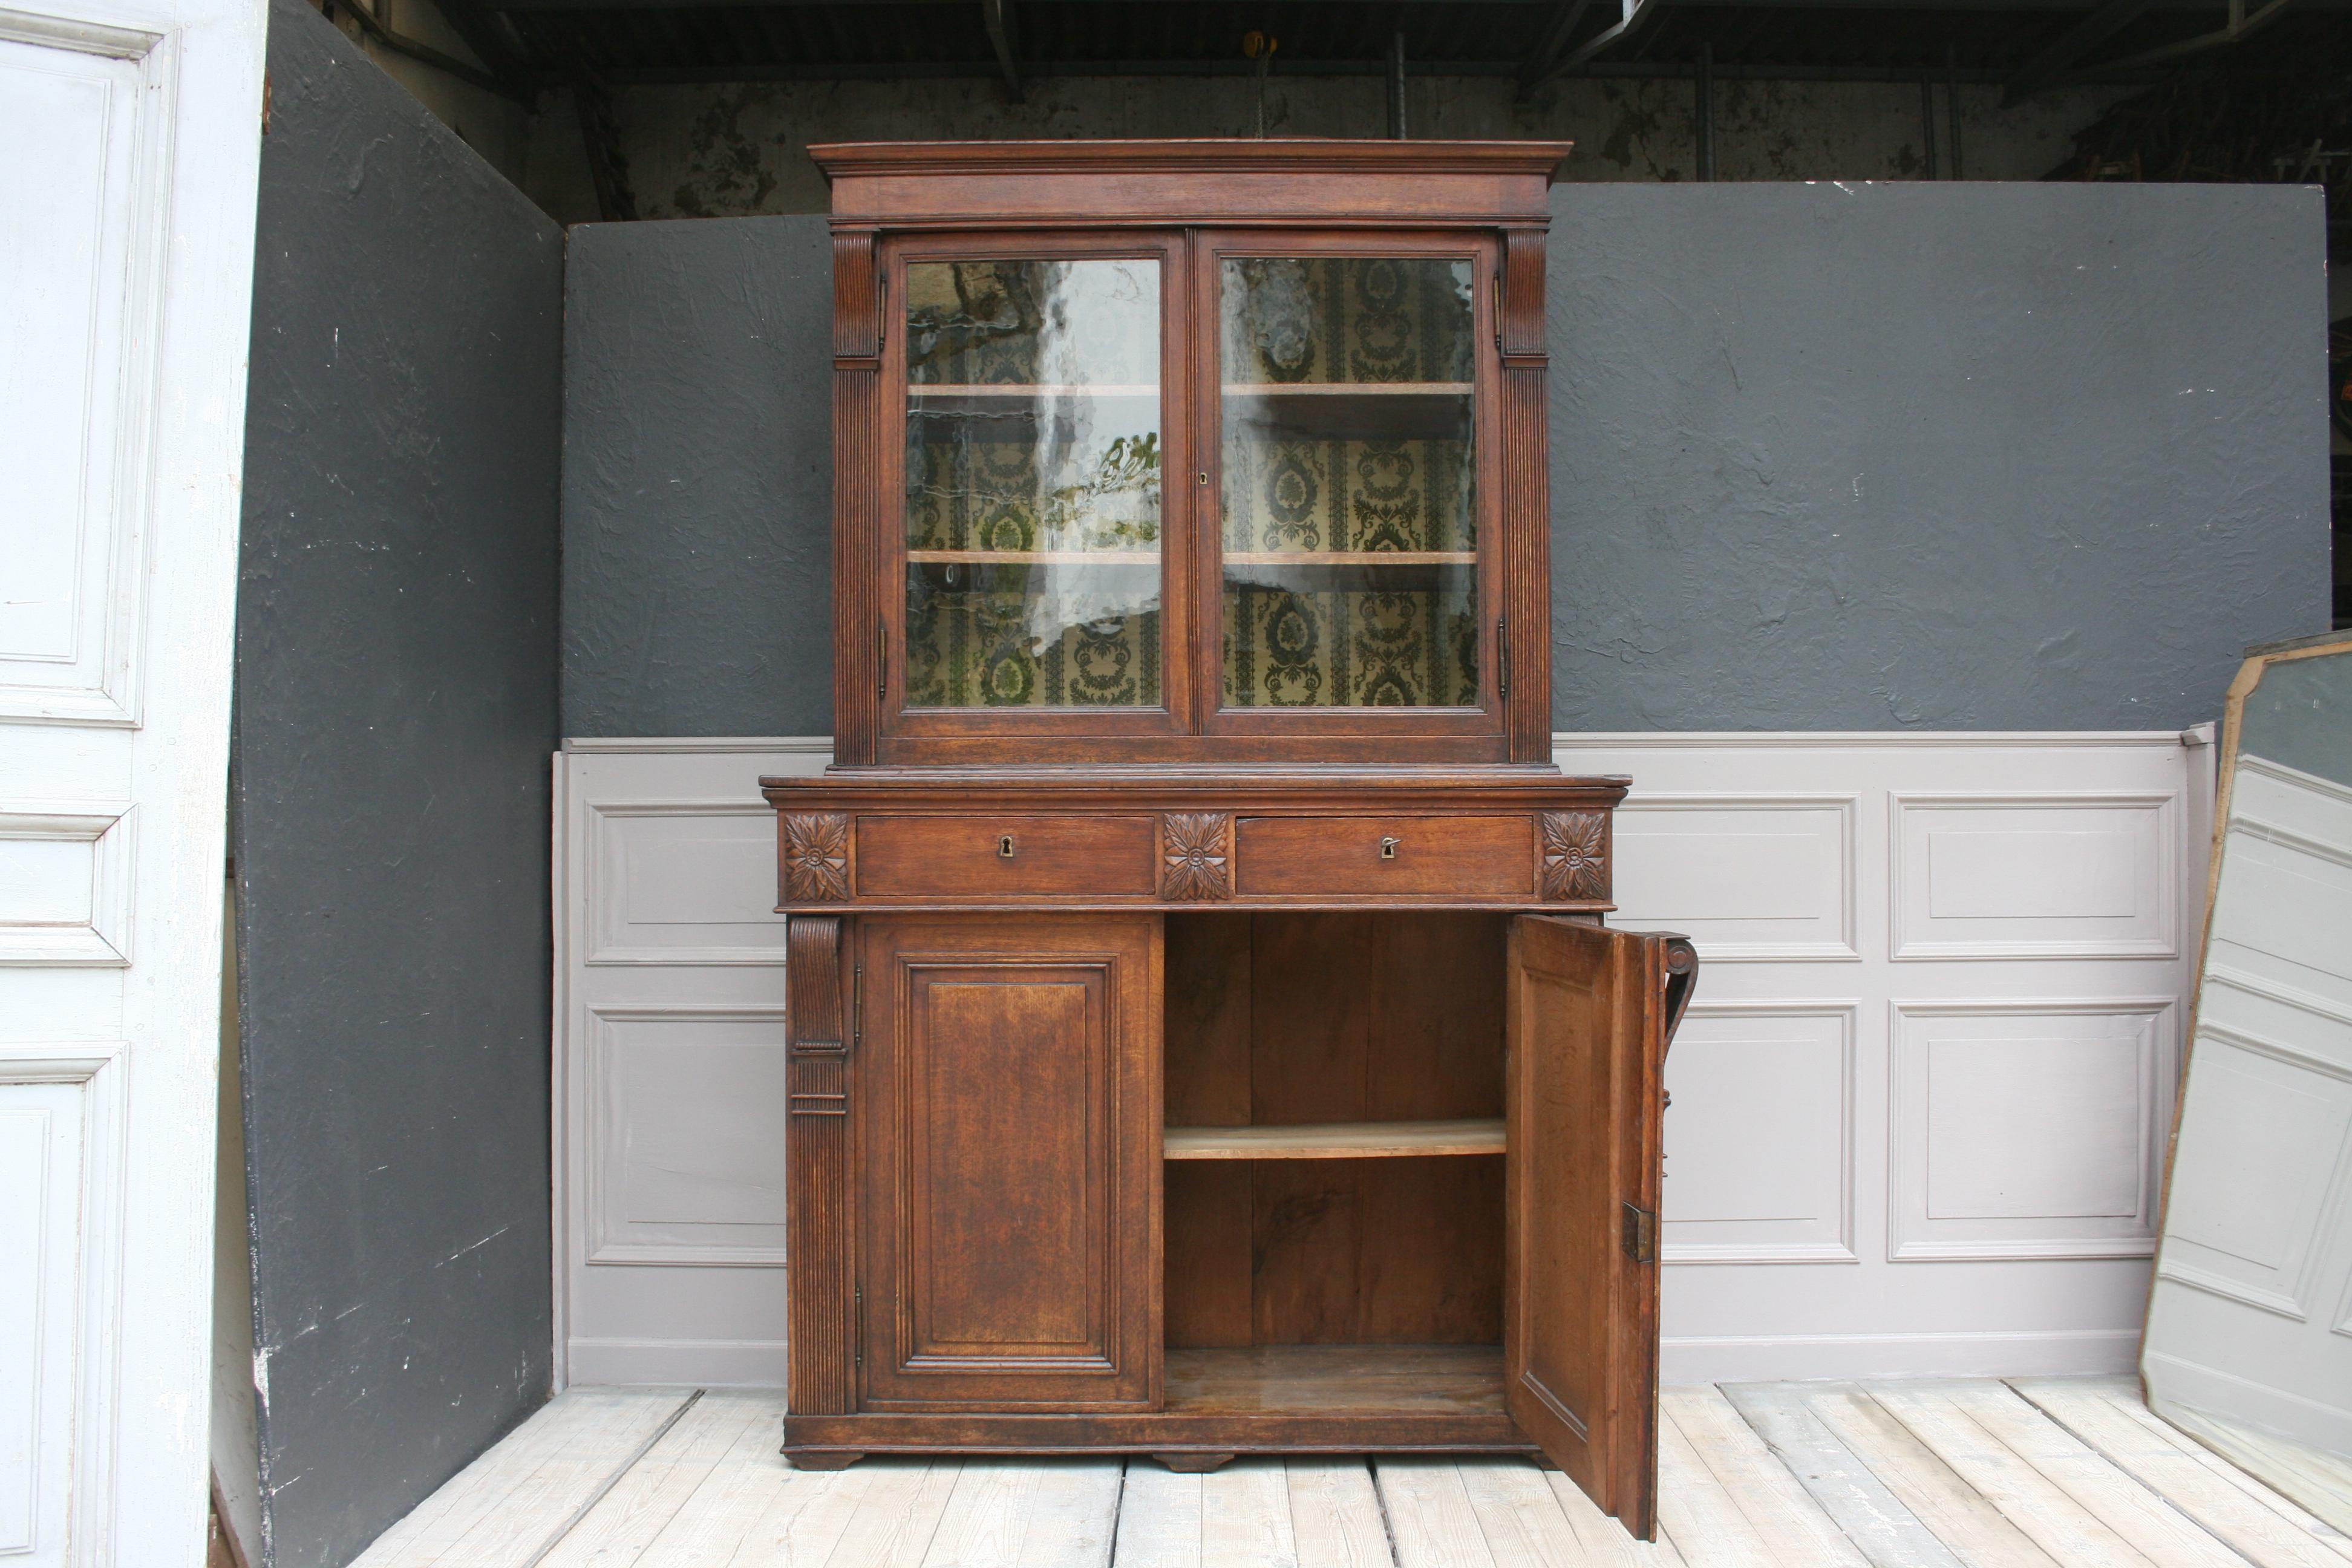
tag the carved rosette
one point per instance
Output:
(1196, 851)
(1576, 855)
(817, 857)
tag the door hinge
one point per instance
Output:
(1498, 310)
(881, 659)
(1641, 1234)
(1502, 656)
(857, 1005)
(881, 310)
(857, 1327)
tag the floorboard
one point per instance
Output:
(501, 1511)
(1775, 1504)
(2321, 1483)
(1335, 1515)
(2258, 1523)
(2030, 1500)
(2035, 1473)
(1431, 1520)
(1877, 1522)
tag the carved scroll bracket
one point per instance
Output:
(1576, 855)
(1196, 856)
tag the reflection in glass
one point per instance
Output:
(1032, 484)
(1350, 493)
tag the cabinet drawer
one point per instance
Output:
(1438, 857)
(962, 857)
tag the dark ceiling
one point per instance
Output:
(2027, 44)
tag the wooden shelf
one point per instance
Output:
(1463, 1382)
(1352, 558)
(1348, 389)
(1404, 411)
(1042, 389)
(1033, 558)
(1336, 1140)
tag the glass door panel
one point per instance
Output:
(1034, 550)
(1349, 481)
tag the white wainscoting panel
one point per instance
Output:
(2036, 876)
(129, 168)
(2028, 1130)
(669, 1062)
(60, 1219)
(65, 883)
(1749, 878)
(1948, 1165)
(1914, 1121)
(686, 1165)
(71, 118)
(669, 881)
(1763, 1113)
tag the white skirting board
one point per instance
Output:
(1919, 1103)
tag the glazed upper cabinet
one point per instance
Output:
(1263, 485)
(1203, 1039)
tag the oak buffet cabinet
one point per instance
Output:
(1205, 1034)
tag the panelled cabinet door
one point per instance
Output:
(1591, 1011)
(1010, 1117)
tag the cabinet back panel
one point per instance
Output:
(1278, 1019)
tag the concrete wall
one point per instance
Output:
(395, 707)
(2028, 457)
(697, 479)
(727, 151)
(1893, 457)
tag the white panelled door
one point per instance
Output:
(130, 141)
(2251, 1317)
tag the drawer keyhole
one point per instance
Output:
(1388, 848)
(1005, 846)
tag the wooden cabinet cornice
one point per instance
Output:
(1204, 1032)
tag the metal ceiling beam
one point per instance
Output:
(1552, 42)
(2239, 28)
(2071, 45)
(997, 16)
(1636, 15)
(961, 70)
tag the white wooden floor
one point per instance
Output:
(2035, 1473)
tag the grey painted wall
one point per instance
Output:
(396, 709)
(1940, 457)
(697, 479)
(1823, 457)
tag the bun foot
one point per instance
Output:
(823, 1458)
(1194, 1464)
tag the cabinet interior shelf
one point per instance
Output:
(1028, 390)
(1231, 389)
(1033, 558)
(1336, 1140)
(1352, 558)
(1276, 558)
(1348, 389)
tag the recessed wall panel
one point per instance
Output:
(683, 882)
(686, 1162)
(1759, 1138)
(1747, 877)
(2028, 1130)
(2034, 877)
(67, 488)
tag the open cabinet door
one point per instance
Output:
(1591, 1013)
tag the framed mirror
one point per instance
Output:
(2249, 1339)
